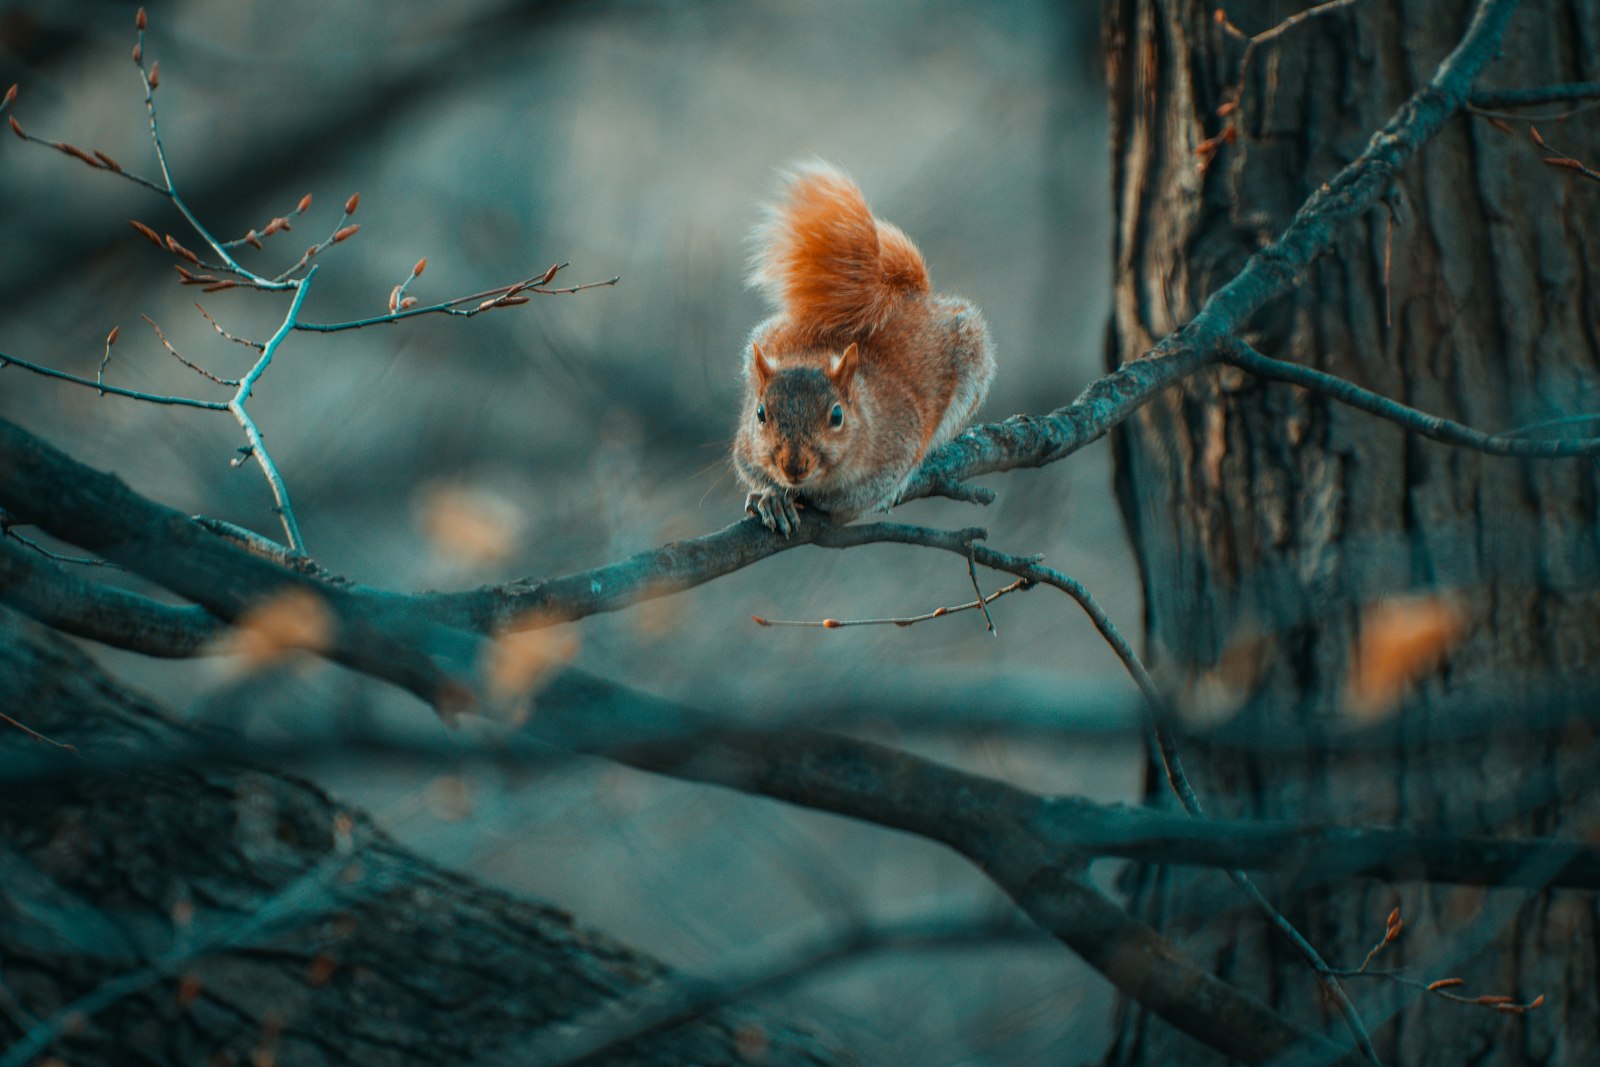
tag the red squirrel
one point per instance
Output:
(862, 370)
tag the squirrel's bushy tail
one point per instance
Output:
(826, 262)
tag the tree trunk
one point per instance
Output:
(1268, 521)
(236, 915)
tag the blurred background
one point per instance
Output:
(633, 139)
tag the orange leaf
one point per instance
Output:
(469, 525)
(1401, 639)
(519, 661)
(270, 630)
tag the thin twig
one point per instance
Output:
(171, 191)
(972, 572)
(8, 528)
(36, 735)
(486, 301)
(132, 394)
(1556, 158)
(178, 356)
(257, 345)
(1272, 34)
(906, 620)
(339, 233)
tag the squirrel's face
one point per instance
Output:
(802, 426)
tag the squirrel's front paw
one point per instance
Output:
(776, 509)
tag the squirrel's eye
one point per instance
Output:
(836, 416)
(761, 413)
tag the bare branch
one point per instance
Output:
(1497, 99)
(1509, 443)
(258, 448)
(133, 394)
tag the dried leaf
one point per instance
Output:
(751, 1043)
(470, 525)
(520, 660)
(1402, 639)
(321, 969)
(294, 620)
(449, 798)
(187, 992)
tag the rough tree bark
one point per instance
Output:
(1266, 519)
(238, 915)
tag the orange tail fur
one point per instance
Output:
(824, 260)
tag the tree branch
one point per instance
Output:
(1434, 427)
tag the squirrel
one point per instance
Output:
(862, 370)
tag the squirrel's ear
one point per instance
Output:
(843, 370)
(761, 367)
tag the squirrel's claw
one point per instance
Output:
(776, 510)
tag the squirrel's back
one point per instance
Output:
(830, 267)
